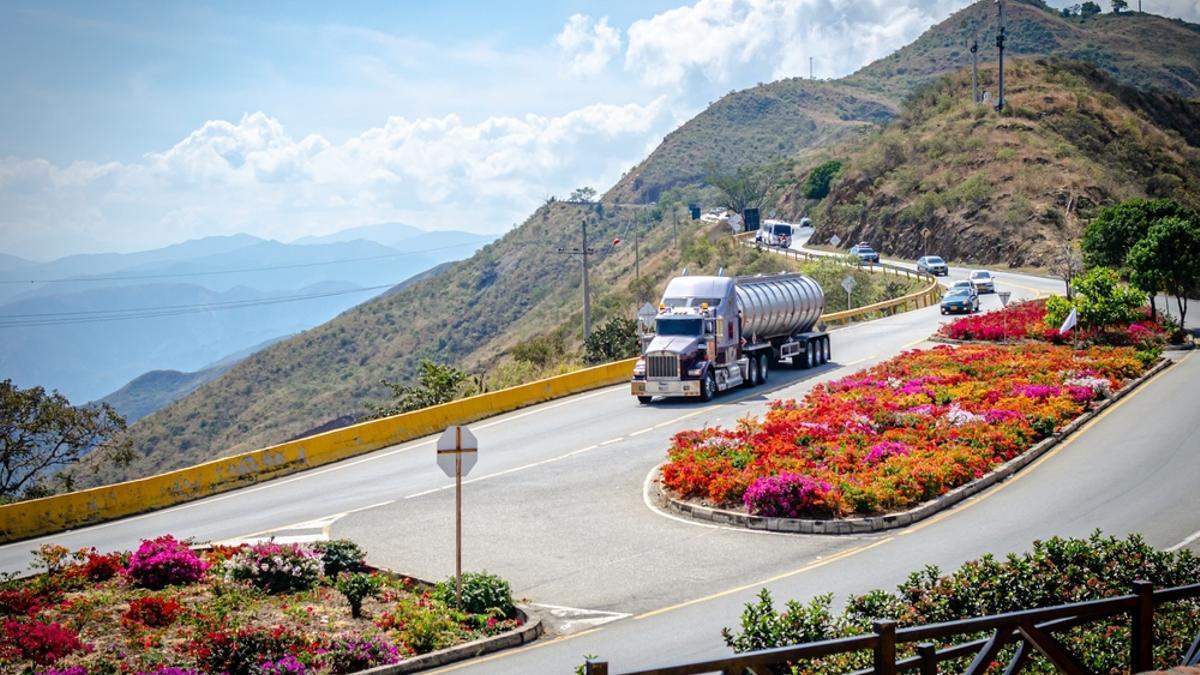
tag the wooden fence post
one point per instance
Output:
(885, 649)
(1141, 620)
(928, 654)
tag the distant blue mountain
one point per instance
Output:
(88, 360)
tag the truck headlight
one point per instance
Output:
(639, 368)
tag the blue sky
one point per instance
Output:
(133, 125)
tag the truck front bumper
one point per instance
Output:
(666, 387)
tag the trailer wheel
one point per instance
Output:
(645, 400)
(707, 387)
(752, 372)
(763, 362)
(828, 350)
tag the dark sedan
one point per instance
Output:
(960, 301)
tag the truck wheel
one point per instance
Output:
(645, 400)
(763, 362)
(752, 372)
(708, 386)
(825, 351)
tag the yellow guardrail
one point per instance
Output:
(36, 517)
(931, 294)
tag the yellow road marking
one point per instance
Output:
(744, 587)
(511, 652)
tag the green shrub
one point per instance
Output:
(357, 587)
(340, 555)
(1056, 571)
(481, 593)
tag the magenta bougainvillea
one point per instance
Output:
(902, 432)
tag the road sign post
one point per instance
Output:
(457, 450)
(848, 283)
(1004, 296)
(925, 239)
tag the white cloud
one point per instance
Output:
(587, 45)
(251, 176)
(733, 42)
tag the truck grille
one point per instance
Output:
(662, 366)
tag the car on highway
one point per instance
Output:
(774, 233)
(984, 281)
(960, 301)
(965, 283)
(865, 253)
(931, 264)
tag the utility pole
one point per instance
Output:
(587, 298)
(974, 64)
(637, 256)
(1000, 47)
(810, 74)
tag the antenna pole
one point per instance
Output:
(1000, 47)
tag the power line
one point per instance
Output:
(140, 277)
(97, 316)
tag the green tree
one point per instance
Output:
(1167, 259)
(541, 350)
(437, 383)
(746, 187)
(1089, 9)
(643, 291)
(1115, 229)
(616, 339)
(816, 184)
(1119, 6)
(41, 434)
(583, 194)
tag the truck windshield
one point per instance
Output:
(690, 302)
(688, 327)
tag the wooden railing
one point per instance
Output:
(1030, 631)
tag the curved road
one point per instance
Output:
(556, 505)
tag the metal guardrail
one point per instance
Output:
(1030, 631)
(929, 295)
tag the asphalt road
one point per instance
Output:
(556, 504)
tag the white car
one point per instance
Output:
(984, 281)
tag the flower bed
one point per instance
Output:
(263, 609)
(1027, 321)
(900, 433)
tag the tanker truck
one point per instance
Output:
(716, 333)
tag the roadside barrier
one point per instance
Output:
(931, 294)
(35, 517)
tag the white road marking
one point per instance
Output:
(1190, 538)
(641, 431)
(572, 619)
(611, 441)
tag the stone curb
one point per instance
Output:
(528, 632)
(1186, 346)
(531, 628)
(904, 518)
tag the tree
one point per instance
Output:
(1089, 9)
(437, 383)
(1067, 263)
(616, 339)
(583, 194)
(746, 187)
(1167, 259)
(1115, 229)
(816, 184)
(42, 433)
(1119, 6)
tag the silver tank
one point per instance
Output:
(778, 304)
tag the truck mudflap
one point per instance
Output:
(665, 387)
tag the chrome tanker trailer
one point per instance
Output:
(715, 333)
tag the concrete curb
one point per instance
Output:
(528, 632)
(899, 519)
